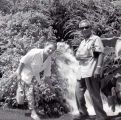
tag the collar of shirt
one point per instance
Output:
(90, 38)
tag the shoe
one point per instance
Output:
(34, 116)
(81, 117)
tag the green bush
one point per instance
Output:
(28, 24)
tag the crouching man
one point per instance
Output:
(33, 64)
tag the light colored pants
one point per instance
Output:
(29, 93)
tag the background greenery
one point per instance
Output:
(25, 24)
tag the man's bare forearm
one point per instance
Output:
(20, 67)
(100, 60)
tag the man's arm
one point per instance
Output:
(18, 72)
(98, 54)
(100, 59)
(98, 70)
(24, 60)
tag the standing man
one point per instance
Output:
(90, 56)
(36, 63)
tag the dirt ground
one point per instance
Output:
(15, 114)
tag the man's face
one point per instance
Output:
(49, 49)
(85, 29)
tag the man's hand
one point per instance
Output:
(18, 76)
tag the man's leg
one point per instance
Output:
(93, 85)
(30, 97)
(79, 93)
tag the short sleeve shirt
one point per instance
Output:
(85, 51)
(34, 65)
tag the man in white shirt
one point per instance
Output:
(90, 56)
(35, 64)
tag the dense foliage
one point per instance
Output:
(25, 24)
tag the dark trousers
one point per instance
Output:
(93, 86)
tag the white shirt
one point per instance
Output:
(118, 48)
(34, 64)
(85, 51)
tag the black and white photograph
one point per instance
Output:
(60, 59)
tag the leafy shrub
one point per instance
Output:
(28, 24)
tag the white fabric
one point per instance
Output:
(33, 62)
(85, 51)
(118, 48)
